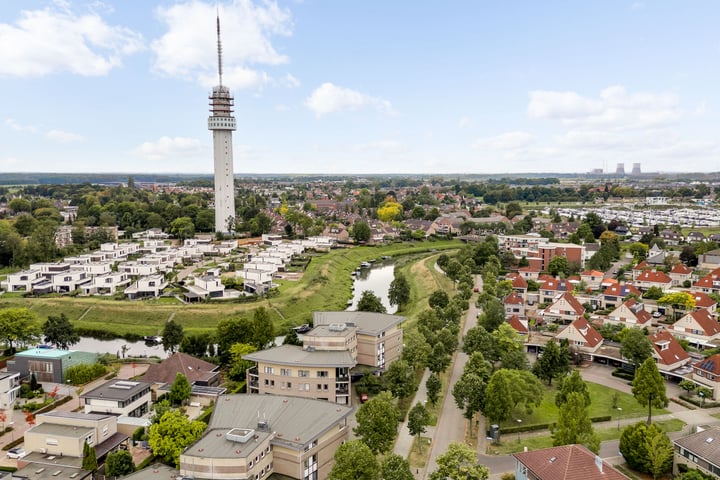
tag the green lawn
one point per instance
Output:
(510, 443)
(601, 397)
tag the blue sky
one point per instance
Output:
(371, 86)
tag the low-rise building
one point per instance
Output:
(653, 278)
(564, 309)
(631, 313)
(668, 352)
(118, 397)
(253, 436)
(699, 327)
(581, 336)
(9, 388)
(707, 372)
(615, 294)
(567, 462)
(700, 451)
(48, 364)
(146, 287)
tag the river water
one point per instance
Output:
(134, 349)
(377, 279)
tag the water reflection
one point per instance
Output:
(377, 279)
(115, 347)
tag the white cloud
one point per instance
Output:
(329, 98)
(505, 141)
(188, 47)
(615, 108)
(10, 122)
(465, 122)
(52, 40)
(167, 147)
(290, 81)
(64, 137)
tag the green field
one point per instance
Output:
(510, 443)
(326, 285)
(601, 405)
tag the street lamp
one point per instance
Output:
(519, 421)
(619, 414)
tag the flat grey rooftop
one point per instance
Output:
(294, 355)
(369, 323)
(117, 389)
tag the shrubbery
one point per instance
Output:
(84, 373)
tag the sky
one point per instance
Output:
(354, 87)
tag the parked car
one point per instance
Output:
(656, 314)
(16, 452)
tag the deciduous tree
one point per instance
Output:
(172, 336)
(58, 331)
(369, 302)
(572, 383)
(433, 386)
(418, 420)
(180, 390)
(637, 439)
(377, 422)
(399, 292)
(574, 425)
(395, 467)
(18, 325)
(551, 364)
(119, 463)
(459, 462)
(399, 378)
(648, 387)
(263, 331)
(172, 434)
(354, 461)
(635, 346)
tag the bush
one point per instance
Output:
(624, 374)
(138, 434)
(84, 373)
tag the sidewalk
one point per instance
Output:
(404, 441)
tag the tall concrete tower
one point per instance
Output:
(636, 169)
(620, 169)
(222, 124)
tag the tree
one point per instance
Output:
(354, 461)
(399, 378)
(433, 386)
(574, 425)
(438, 299)
(230, 331)
(395, 467)
(648, 387)
(634, 443)
(58, 331)
(687, 385)
(418, 419)
(182, 228)
(653, 293)
(416, 350)
(439, 359)
(239, 366)
(477, 339)
(198, 345)
(377, 422)
(89, 461)
(551, 363)
(361, 232)
(694, 475)
(515, 360)
(493, 315)
(169, 437)
(572, 383)
(703, 393)
(635, 346)
(17, 325)
(497, 408)
(559, 265)
(172, 336)
(399, 292)
(119, 463)
(459, 462)
(369, 302)
(180, 390)
(263, 331)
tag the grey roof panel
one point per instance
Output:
(296, 356)
(369, 323)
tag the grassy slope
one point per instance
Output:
(324, 286)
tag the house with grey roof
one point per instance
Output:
(119, 397)
(699, 450)
(253, 436)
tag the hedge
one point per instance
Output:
(84, 373)
(624, 374)
(545, 426)
(698, 403)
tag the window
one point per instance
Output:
(322, 373)
(303, 373)
(286, 372)
(269, 370)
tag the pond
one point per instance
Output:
(377, 278)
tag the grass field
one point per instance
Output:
(512, 445)
(601, 405)
(326, 285)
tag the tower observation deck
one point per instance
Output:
(222, 123)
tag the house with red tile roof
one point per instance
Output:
(592, 278)
(653, 278)
(703, 300)
(614, 294)
(630, 313)
(551, 287)
(707, 372)
(639, 268)
(567, 462)
(581, 335)
(529, 273)
(520, 326)
(710, 283)
(514, 305)
(699, 327)
(679, 274)
(667, 351)
(564, 309)
(519, 283)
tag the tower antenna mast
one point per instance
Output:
(219, 47)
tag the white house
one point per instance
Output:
(149, 286)
(9, 388)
